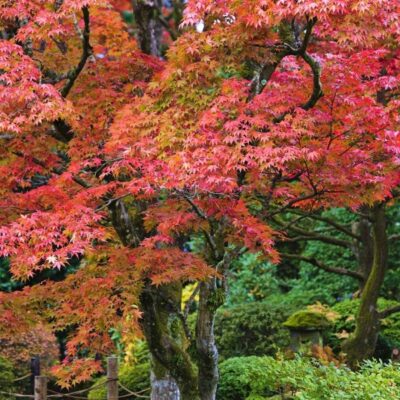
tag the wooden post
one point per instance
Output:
(40, 388)
(112, 378)
(35, 370)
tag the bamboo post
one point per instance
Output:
(40, 388)
(112, 378)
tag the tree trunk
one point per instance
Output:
(162, 322)
(163, 386)
(166, 337)
(210, 299)
(361, 345)
(364, 248)
(149, 26)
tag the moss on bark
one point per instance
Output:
(361, 345)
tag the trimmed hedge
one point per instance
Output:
(250, 329)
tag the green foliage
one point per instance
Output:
(306, 320)
(7, 284)
(99, 391)
(390, 326)
(329, 287)
(239, 375)
(294, 300)
(347, 310)
(134, 375)
(6, 378)
(136, 378)
(256, 378)
(250, 329)
(391, 287)
(252, 280)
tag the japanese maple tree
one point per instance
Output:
(115, 158)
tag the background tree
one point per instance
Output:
(358, 238)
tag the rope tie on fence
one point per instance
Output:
(58, 394)
(111, 382)
(61, 395)
(72, 395)
(22, 377)
(130, 393)
(19, 395)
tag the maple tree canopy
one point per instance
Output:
(88, 121)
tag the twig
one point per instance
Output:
(329, 221)
(389, 311)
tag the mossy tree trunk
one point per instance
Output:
(163, 387)
(165, 333)
(173, 376)
(363, 248)
(210, 299)
(361, 345)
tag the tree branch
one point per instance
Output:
(329, 221)
(293, 202)
(86, 52)
(202, 215)
(317, 238)
(307, 235)
(317, 86)
(7, 136)
(324, 267)
(56, 171)
(389, 311)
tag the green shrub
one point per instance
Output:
(389, 336)
(256, 378)
(98, 391)
(134, 375)
(238, 374)
(250, 329)
(6, 378)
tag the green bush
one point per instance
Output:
(98, 391)
(256, 378)
(250, 329)
(251, 280)
(389, 336)
(135, 375)
(6, 378)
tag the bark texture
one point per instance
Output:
(163, 386)
(166, 336)
(210, 299)
(149, 27)
(363, 248)
(361, 345)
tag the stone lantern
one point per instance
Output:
(306, 328)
